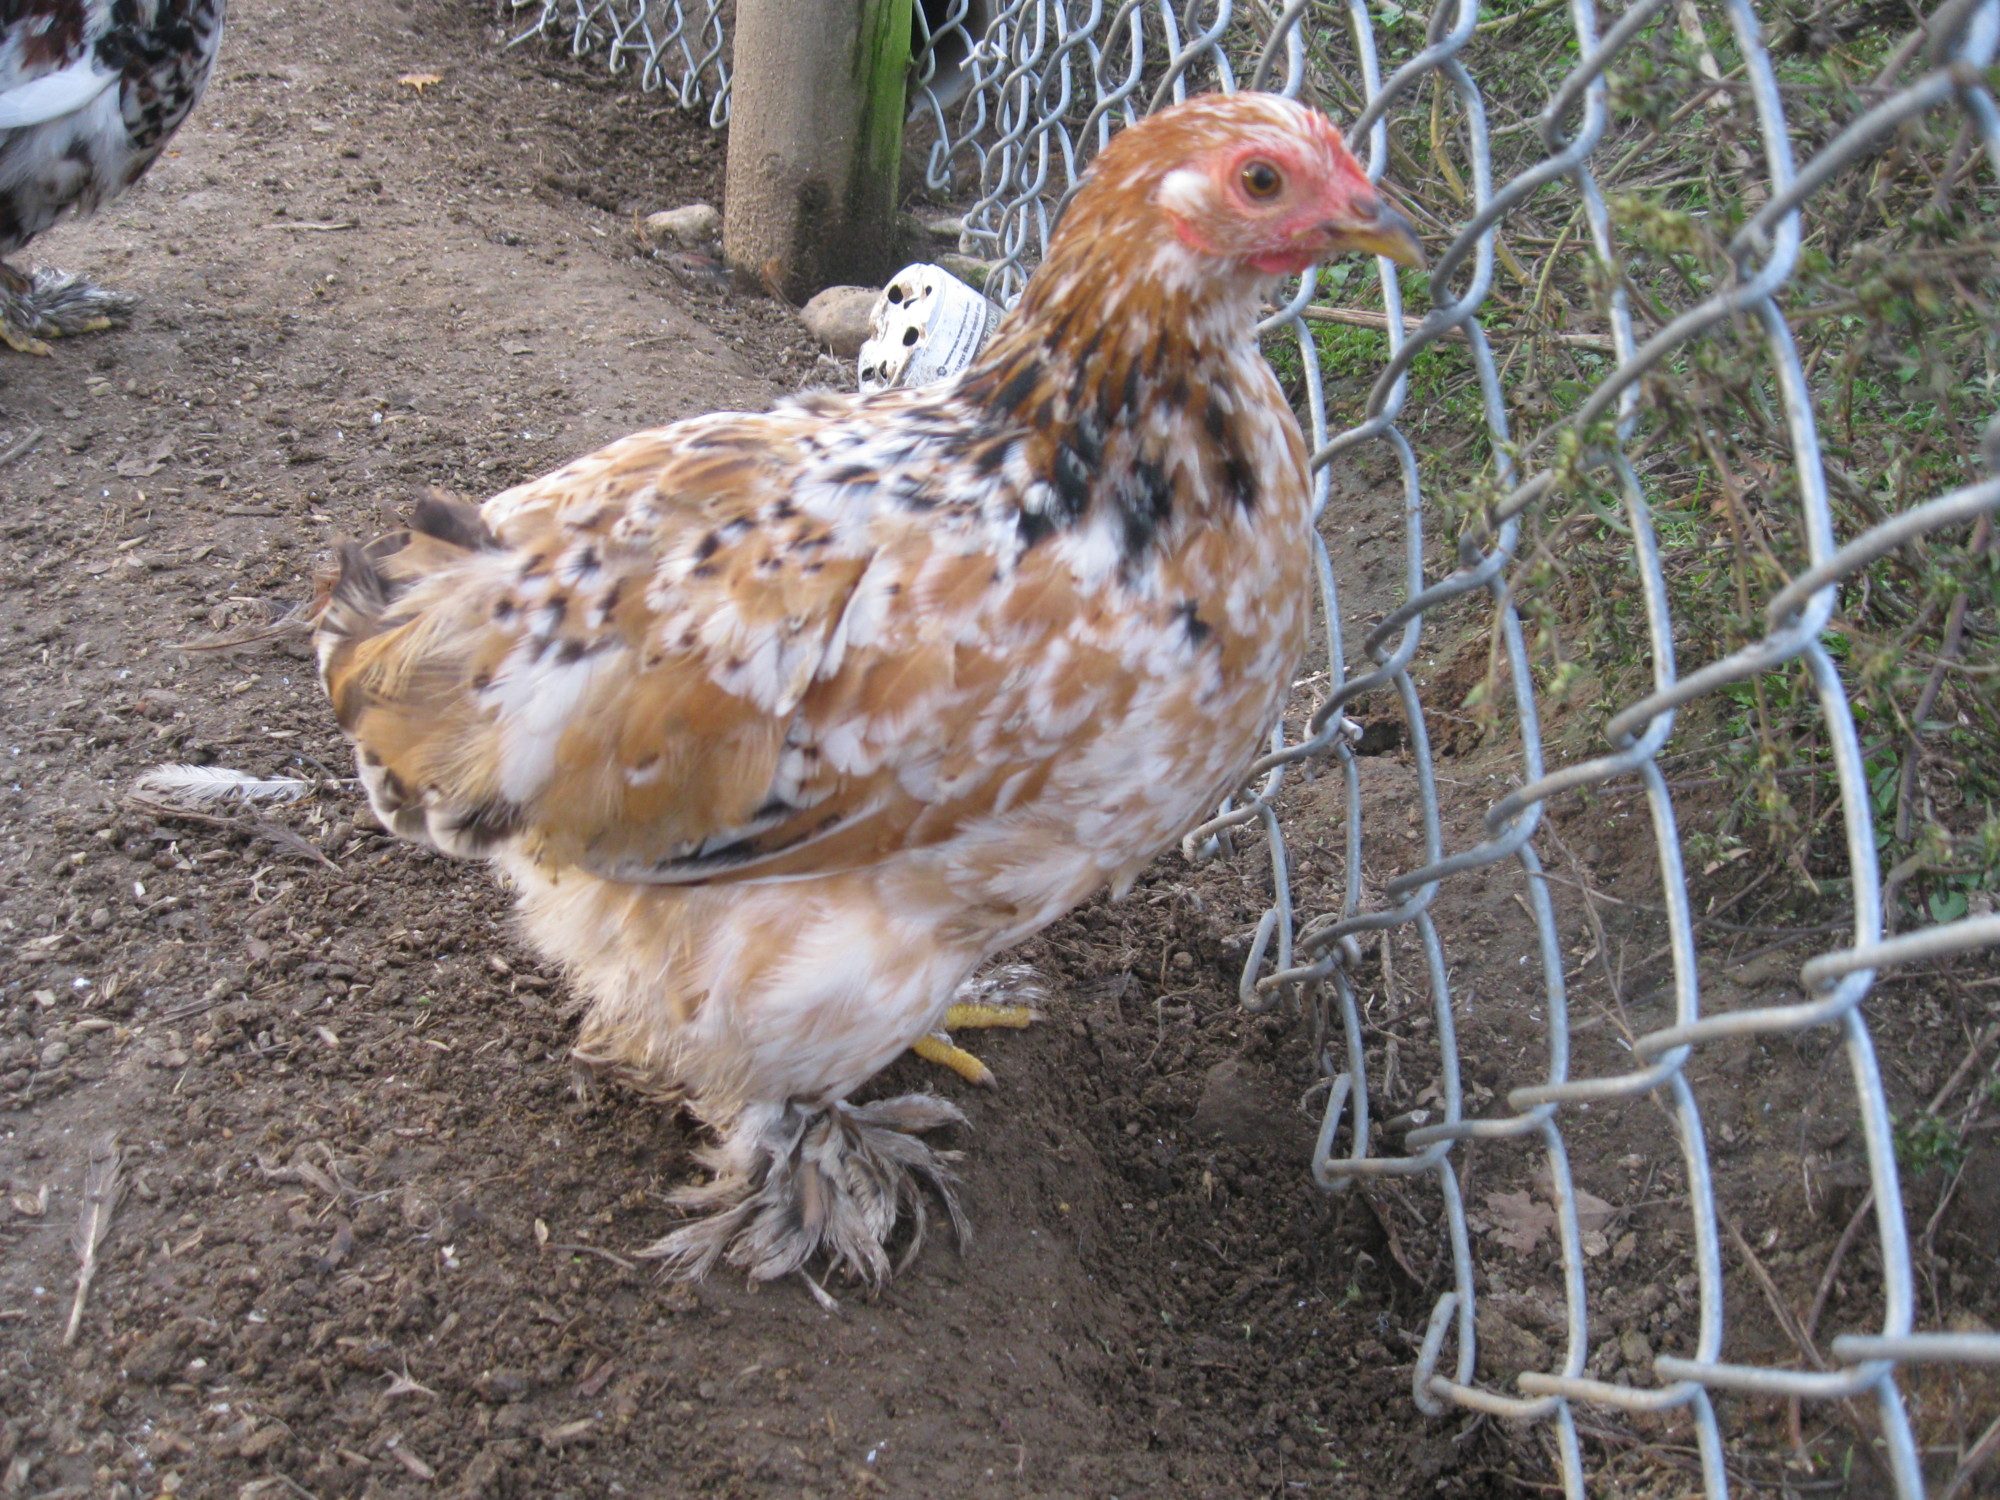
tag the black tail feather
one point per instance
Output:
(359, 584)
(361, 588)
(452, 520)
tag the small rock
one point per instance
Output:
(502, 1384)
(54, 1053)
(968, 269)
(100, 918)
(157, 703)
(483, 1475)
(1638, 1353)
(264, 1440)
(690, 227)
(156, 1357)
(838, 318)
(165, 1443)
(1238, 1105)
(1508, 1346)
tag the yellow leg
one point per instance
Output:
(938, 1047)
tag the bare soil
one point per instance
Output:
(374, 1242)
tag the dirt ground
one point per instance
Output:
(373, 1243)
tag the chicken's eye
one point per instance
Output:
(1262, 180)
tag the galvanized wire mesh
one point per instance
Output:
(1034, 97)
(681, 49)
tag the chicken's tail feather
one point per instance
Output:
(355, 594)
(354, 591)
(446, 518)
(399, 659)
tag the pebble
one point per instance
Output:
(973, 272)
(157, 1357)
(692, 226)
(838, 318)
(1236, 1105)
(264, 1440)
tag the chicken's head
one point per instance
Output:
(1257, 180)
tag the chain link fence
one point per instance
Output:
(1693, 179)
(664, 44)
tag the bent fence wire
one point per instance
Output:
(1693, 269)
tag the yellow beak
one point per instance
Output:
(1381, 232)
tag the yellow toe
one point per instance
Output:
(939, 1049)
(978, 1017)
(21, 340)
(938, 1046)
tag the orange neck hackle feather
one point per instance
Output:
(1133, 350)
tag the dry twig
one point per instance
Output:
(1954, 632)
(1981, 1453)
(1793, 1415)
(103, 1186)
(25, 445)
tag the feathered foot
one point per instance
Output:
(794, 1180)
(54, 304)
(979, 1007)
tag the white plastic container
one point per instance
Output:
(927, 325)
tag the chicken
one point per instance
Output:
(783, 724)
(90, 91)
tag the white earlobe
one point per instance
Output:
(1182, 191)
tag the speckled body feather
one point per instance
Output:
(783, 723)
(90, 92)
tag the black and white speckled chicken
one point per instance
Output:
(90, 91)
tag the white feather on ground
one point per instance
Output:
(201, 788)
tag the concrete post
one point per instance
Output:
(815, 140)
